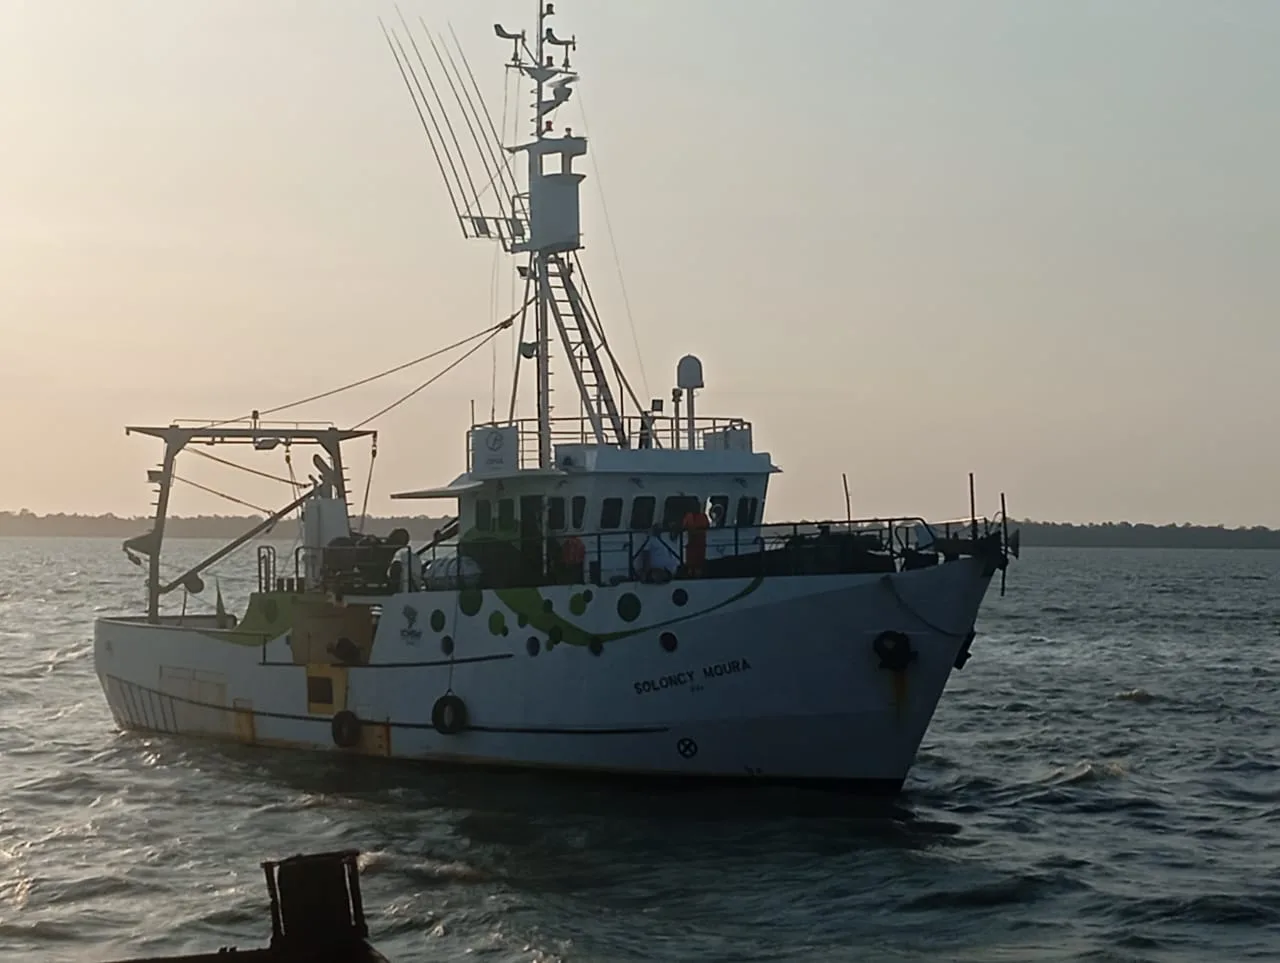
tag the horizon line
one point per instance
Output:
(111, 516)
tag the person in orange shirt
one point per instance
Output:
(572, 555)
(695, 525)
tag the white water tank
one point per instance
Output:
(451, 571)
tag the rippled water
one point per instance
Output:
(1101, 782)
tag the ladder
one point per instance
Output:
(582, 350)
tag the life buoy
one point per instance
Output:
(449, 715)
(894, 650)
(573, 551)
(346, 729)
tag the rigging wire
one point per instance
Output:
(476, 128)
(368, 483)
(613, 247)
(252, 471)
(169, 571)
(507, 179)
(493, 278)
(430, 381)
(524, 316)
(214, 491)
(489, 331)
(444, 113)
(398, 51)
(594, 320)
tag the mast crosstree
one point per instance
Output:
(539, 224)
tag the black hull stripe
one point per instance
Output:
(548, 731)
(128, 688)
(436, 664)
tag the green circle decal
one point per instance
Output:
(578, 603)
(437, 621)
(469, 601)
(497, 623)
(629, 607)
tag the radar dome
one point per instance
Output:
(689, 373)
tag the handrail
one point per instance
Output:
(508, 559)
(641, 431)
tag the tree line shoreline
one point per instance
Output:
(1034, 533)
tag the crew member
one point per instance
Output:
(572, 554)
(695, 525)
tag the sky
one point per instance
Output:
(1033, 240)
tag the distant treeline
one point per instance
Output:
(1127, 535)
(1049, 534)
(197, 526)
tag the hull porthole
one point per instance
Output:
(449, 715)
(346, 729)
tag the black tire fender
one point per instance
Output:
(449, 715)
(346, 729)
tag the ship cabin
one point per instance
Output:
(548, 501)
(544, 504)
(601, 514)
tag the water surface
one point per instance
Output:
(1101, 782)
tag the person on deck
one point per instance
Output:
(572, 556)
(658, 559)
(695, 525)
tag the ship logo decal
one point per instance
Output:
(410, 633)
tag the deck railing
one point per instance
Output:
(641, 431)
(612, 557)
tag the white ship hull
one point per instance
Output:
(771, 679)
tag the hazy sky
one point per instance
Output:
(1037, 240)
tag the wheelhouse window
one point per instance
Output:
(748, 506)
(642, 509)
(579, 512)
(506, 514)
(484, 515)
(676, 507)
(555, 514)
(611, 513)
(719, 510)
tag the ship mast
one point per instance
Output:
(541, 224)
(539, 72)
(554, 238)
